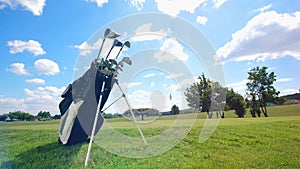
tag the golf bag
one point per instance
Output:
(79, 105)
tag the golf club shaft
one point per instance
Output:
(119, 52)
(109, 52)
(100, 48)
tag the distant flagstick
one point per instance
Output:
(170, 97)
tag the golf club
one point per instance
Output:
(120, 65)
(109, 33)
(127, 44)
(116, 43)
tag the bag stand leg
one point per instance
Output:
(94, 126)
(96, 117)
(130, 109)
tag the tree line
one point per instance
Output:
(23, 116)
(209, 96)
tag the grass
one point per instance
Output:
(272, 142)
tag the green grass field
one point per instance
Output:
(272, 142)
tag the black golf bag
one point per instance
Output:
(79, 105)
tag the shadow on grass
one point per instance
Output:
(53, 155)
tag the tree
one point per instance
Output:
(175, 110)
(3, 117)
(22, 116)
(142, 112)
(261, 90)
(56, 117)
(218, 99)
(235, 101)
(193, 97)
(43, 115)
(14, 115)
(28, 117)
(198, 95)
(281, 100)
(206, 96)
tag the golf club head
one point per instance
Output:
(113, 61)
(109, 33)
(121, 64)
(127, 60)
(127, 44)
(117, 43)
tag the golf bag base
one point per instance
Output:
(78, 135)
(79, 106)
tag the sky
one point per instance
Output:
(43, 44)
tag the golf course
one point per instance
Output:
(272, 142)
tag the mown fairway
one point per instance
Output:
(272, 142)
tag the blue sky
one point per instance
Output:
(42, 42)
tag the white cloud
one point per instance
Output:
(269, 35)
(289, 91)
(174, 88)
(284, 79)
(40, 99)
(100, 3)
(239, 86)
(219, 3)
(34, 6)
(46, 67)
(146, 37)
(170, 51)
(140, 98)
(86, 48)
(149, 75)
(144, 32)
(174, 7)
(187, 82)
(152, 84)
(32, 46)
(202, 20)
(174, 76)
(154, 99)
(18, 68)
(35, 81)
(181, 86)
(2, 6)
(138, 4)
(131, 84)
(43, 98)
(11, 104)
(263, 8)
(134, 84)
